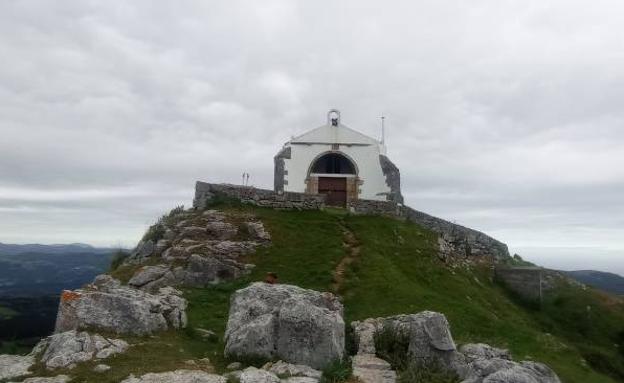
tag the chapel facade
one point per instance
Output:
(339, 162)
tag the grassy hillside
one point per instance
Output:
(393, 268)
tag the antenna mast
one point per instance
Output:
(383, 130)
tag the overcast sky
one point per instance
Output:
(505, 116)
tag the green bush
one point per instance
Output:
(392, 345)
(119, 256)
(157, 231)
(336, 372)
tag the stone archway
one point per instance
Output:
(335, 175)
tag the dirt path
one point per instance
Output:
(352, 252)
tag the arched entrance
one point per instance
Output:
(334, 175)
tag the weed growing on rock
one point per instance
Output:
(337, 372)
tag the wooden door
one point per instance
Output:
(335, 188)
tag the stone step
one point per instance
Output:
(370, 369)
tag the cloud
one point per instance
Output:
(503, 116)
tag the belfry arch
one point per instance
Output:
(335, 175)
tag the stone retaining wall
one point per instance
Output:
(204, 192)
(455, 240)
(530, 282)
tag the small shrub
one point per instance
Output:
(337, 372)
(157, 231)
(392, 345)
(119, 256)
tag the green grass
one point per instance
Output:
(396, 272)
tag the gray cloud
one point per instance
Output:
(502, 116)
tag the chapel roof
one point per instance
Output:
(334, 132)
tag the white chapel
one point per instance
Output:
(339, 162)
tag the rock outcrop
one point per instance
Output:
(13, 366)
(109, 306)
(285, 322)
(429, 340)
(178, 376)
(486, 364)
(196, 249)
(283, 369)
(65, 350)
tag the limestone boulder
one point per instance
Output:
(108, 306)
(427, 332)
(256, 375)
(178, 376)
(55, 379)
(71, 347)
(13, 366)
(257, 231)
(367, 368)
(486, 364)
(285, 322)
(430, 341)
(221, 230)
(284, 369)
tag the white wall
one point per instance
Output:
(366, 159)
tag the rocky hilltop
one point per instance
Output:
(200, 300)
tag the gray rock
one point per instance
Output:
(106, 305)
(145, 249)
(430, 340)
(169, 235)
(255, 375)
(147, 274)
(257, 231)
(428, 333)
(475, 351)
(206, 334)
(505, 371)
(55, 379)
(286, 322)
(13, 366)
(161, 245)
(221, 230)
(101, 368)
(370, 369)
(300, 379)
(234, 366)
(284, 369)
(193, 232)
(68, 348)
(178, 376)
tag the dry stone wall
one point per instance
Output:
(530, 283)
(205, 192)
(455, 240)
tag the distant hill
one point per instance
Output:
(27, 270)
(609, 282)
(31, 279)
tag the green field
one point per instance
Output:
(396, 271)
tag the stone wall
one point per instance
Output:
(524, 281)
(530, 282)
(455, 240)
(204, 192)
